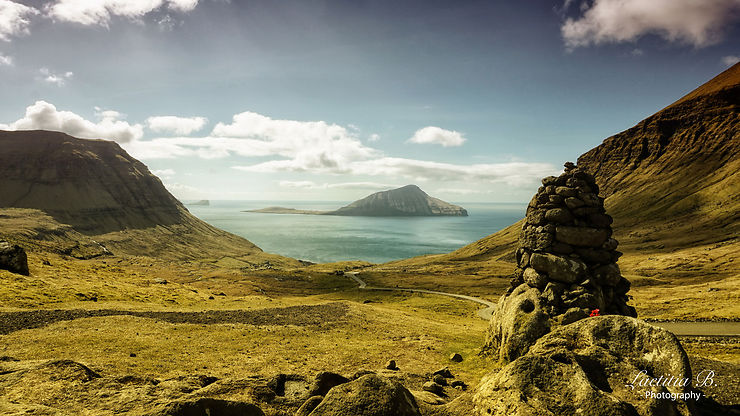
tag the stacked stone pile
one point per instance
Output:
(566, 266)
(566, 250)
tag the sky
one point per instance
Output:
(474, 101)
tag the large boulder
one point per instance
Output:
(324, 381)
(370, 395)
(13, 258)
(598, 366)
(205, 406)
(517, 323)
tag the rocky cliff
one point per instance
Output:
(93, 185)
(99, 191)
(675, 176)
(409, 200)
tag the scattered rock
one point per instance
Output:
(589, 368)
(437, 378)
(132, 355)
(324, 381)
(160, 281)
(433, 387)
(458, 384)
(370, 395)
(456, 358)
(13, 258)
(444, 372)
(391, 365)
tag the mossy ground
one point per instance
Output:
(418, 331)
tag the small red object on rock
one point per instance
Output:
(594, 312)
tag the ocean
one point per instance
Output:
(326, 238)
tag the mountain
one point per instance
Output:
(409, 200)
(93, 190)
(672, 184)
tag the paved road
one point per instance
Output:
(708, 329)
(484, 313)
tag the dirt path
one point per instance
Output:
(708, 329)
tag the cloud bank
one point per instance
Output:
(292, 146)
(176, 125)
(731, 60)
(693, 22)
(100, 12)
(45, 116)
(436, 135)
(14, 19)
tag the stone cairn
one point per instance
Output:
(566, 265)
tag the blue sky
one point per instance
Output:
(332, 100)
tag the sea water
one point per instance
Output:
(328, 238)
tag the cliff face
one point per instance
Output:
(676, 174)
(93, 185)
(76, 193)
(406, 201)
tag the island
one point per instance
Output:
(407, 201)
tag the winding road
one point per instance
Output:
(707, 329)
(484, 313)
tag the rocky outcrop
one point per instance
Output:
(13, 258)
(600, 366)
(409, 200)
(566, 266)
(369, 395)
(93, 185)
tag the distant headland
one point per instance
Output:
(407, 201)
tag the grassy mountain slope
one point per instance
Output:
(672, 184)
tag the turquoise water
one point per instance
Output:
(324, 238)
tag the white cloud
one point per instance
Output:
(45, 116)
(184, 192)
(373, 137)
(731, 60)
(461, 191)
(436, 135)
(14, 19)
(57, 79)
(313, 147)
(512, 173)
(308, 145)
(176, 125)
(164, 173)
(100, 12)
(6, 60)
(373, 186)
(694, 22)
